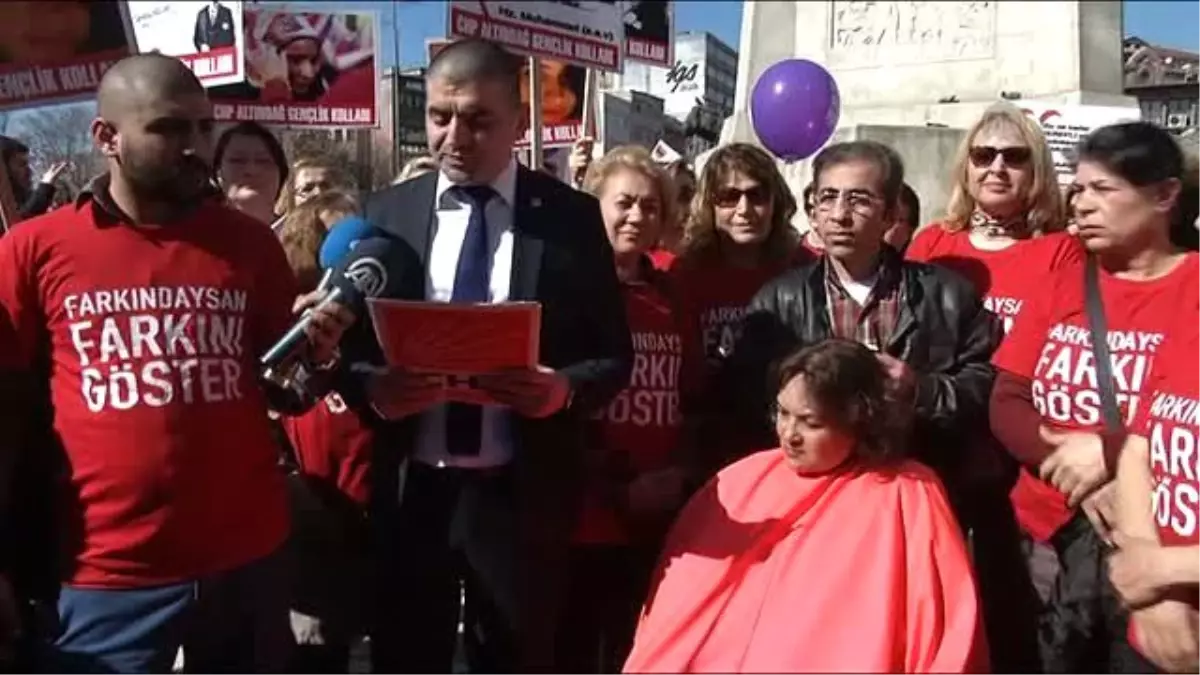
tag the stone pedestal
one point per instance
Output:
(928, 65)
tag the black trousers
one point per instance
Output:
(1083, 626)
(453, 528)
(606, 588)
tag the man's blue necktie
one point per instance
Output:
(464, 422)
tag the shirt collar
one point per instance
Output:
(97, 194)
(505, 185)
(887, 270)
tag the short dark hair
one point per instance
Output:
(807, 198)
(874, 152)
(1144, 154)
(10, 147)
(910, 200)
(851, 388)
(254, 130)
(476, 59)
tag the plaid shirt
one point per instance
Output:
(871, 323)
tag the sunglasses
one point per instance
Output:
(985, 155)
(730, 197)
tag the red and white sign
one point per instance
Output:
(650, 31)
(1066, 125)
(207, 36)
(586, 33)
(56, 52)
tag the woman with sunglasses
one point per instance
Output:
(1003, 229)
(1064, 393)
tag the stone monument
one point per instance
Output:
(913, 70)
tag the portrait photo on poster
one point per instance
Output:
(305, 69)
(207, 36)
(53, 52)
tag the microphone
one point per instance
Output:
(342, 238)
(363, 274)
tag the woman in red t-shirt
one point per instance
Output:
(1003, 230)
(1156, 568)
(1047, 408)
(635, 472)
(739, 237)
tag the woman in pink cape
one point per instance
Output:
(830, 553)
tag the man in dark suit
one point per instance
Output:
(214, 28)
(490, 493)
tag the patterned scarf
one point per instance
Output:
(1017, 226)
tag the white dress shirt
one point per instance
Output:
(450, 228)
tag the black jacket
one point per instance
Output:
(942, 332)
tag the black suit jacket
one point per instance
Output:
(214, 34)
(561, 259)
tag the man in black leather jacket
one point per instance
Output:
(930, 330)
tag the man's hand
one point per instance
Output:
(327, 325)
(1100, 507)
(531, 393)
(903, 377)
(56, 169)
(580, 159)
(1133, 569)
(396, 393)
(1076, 467)
(655, 491)
(1166, 633)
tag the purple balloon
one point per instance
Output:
(795, 107)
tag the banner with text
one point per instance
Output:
(650, 31)
(563, 85)
(206, 36)
(305, 69)
(1065, 125)
(587, 33)
(56, 51)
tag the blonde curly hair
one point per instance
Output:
(702, 239)
(1043, 205)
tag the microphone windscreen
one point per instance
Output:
(377, 267)
(341, 238)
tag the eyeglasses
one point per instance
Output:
(729, 197)
(858, 201)
(984, 155)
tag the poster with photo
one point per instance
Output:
(650, 31)
(207, 36)
(55, 51)
(305, 70)
(585, 33)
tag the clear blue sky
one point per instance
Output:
(1171, 24)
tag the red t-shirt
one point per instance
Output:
(331, 442)
(1050, 344)
(714, 296)
(1006, 279)
(640, 430)
(154, 335)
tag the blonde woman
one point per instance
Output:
(1003, 229)
(310, 176)
(739, 236)
(636, 479)
(414, 167)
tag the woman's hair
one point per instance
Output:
(287, 196)
(415, 167)
(1144, 154)
(853, 393)
(633, 158)
(701, 239)
(253, 130)
(303, 231)
(1043, 202)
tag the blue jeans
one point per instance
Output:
(235, 621)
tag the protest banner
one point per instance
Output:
(55, 51)
(1066, 125)
(650, 31)
(589, 34)
(206, 36)
(563, 87)
(305, 69)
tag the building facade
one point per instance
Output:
(1164, 81)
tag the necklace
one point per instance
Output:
(990, 227)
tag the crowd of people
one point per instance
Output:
(876, 446)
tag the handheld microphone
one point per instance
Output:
(362, 274)
(342, 238)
